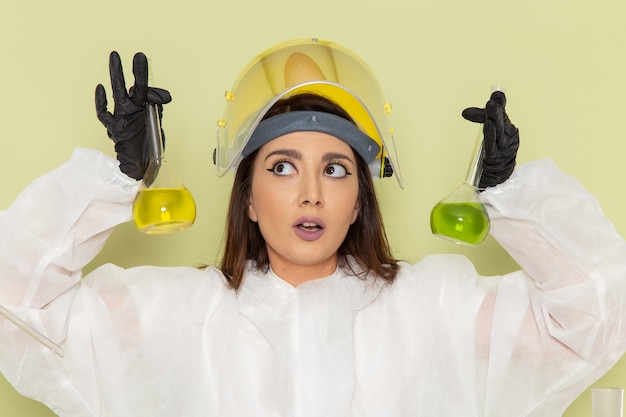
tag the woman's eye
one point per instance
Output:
(336, 170)
(283, 168)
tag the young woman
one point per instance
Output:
(272, 178)
(308, 314)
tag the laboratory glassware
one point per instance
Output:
(462, 216)
(163, 204)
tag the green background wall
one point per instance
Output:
(563, 64)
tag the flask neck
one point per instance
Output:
(153, 131)
(475, 169)
(155, 144)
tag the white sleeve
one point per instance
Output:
(57, 225)
(572, 287)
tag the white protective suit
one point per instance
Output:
(441, 342)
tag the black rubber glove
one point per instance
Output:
(127, 125)
(501, 140)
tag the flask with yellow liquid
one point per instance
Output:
(163, 204)
(462, 216)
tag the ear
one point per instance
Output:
(252, 212)
(355, 213)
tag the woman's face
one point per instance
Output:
(304, 198)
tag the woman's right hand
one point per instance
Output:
(126, 126)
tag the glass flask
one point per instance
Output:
(163, 204)
(462, 216)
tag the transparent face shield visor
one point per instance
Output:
(306, 66)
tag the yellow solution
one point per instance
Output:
(461, 222)
(164, 210)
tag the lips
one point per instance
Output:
(309, 228)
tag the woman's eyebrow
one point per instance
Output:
(291, 153)
(295, 154)
(336, 155)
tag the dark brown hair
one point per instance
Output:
(365, 243)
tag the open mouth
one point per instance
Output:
(309, 226)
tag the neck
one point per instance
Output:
(296, 274)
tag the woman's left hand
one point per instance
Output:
(501, 140)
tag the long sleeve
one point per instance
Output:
(572, 288)
(559, 235)
(56, 226)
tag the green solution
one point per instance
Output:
(463, 222)
(164, 210)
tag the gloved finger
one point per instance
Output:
(495, 112)
(490, 139)
(140, 88)
(158, 96)
(477, 115)
(474, 114)
(104, 116)
(510, 131)
(118, 84)
(499, 97)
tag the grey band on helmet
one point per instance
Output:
(312, 121)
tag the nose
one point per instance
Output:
(311, 192)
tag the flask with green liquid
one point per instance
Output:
(163, 204)
(462, 216)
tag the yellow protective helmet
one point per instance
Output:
(306, 66)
